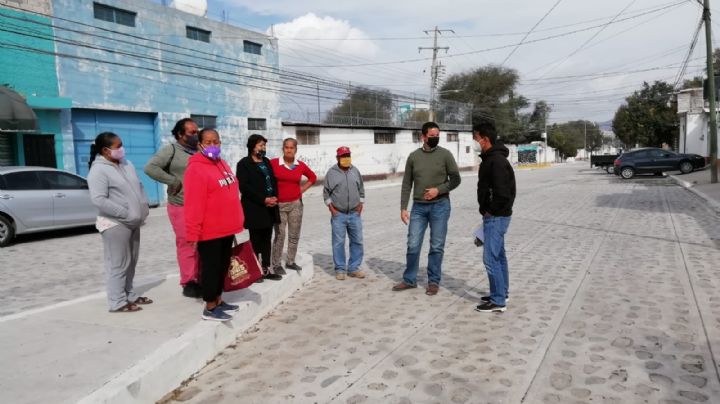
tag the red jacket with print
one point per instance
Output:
(212, 200)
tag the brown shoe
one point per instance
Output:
(356, 274)
(403, 286)
(432, 290)
(340, 276)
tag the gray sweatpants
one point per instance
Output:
(122, 248)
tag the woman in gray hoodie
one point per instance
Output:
(116, 191)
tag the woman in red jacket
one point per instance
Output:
(213, 216)
(289, 171)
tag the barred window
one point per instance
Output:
(384, 137)
(205, 121)
(113, 14)
(257, 124)
(452, 137)
(197, 34)
(307, 135)
(252, 47)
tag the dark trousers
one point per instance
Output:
(214, 263)
(261, 240)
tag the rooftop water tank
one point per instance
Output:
(196, 7)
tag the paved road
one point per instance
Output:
(614, 298)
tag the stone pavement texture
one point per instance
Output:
(699, 183)
(614, 299)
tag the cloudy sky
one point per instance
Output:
(583, 57)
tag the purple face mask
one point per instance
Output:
(211, 152)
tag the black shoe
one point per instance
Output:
(487, 299)
(260, 280)
(490, 307)
(293, 266)
(269, 275)
(278, 269)
(192, 289)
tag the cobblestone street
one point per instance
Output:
(614, 296)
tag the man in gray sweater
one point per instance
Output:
(344, 194)
(431, 173)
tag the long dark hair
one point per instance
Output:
(102, 141)
(179, 128)
(253, 140)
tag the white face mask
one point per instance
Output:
(476, 147)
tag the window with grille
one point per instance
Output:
(257, 124)
(384, 137)
(113, 14)
(252, 47)
(417, 136)
(307, 135)
(197, 34)
(452, 137)
(205, 121)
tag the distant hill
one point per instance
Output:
(607, 125)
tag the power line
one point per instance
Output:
(694, 41)
(530, 32)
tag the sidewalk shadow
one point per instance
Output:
(243, 295)
(393, 270)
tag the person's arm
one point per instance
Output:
(99, 187)
(502, 191)
(407, 184)
(195, 203)
(361, 191)
(483, 187)
(453, 176)
(246, 188)
(310, 175)
(155, 168)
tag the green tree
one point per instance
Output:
(491, 90)
(645, 118)
(364, 102)
(571, 136)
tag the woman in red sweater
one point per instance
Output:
(289, 172)
(213, 216)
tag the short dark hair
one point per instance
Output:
(486, 129)
(180, 127)
(429, 125)
(206, 130)
(253, 140)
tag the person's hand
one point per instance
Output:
(405, 216)
(359, 208)
(430, 194)
(270, 202)
(175, 189)
(487, 214)
(333, 211)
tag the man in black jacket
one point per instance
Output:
(495, 195)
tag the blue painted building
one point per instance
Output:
(135, 67)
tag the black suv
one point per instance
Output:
(652, 160)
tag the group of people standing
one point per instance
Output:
(208, 205)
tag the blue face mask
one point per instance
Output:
(211, 152)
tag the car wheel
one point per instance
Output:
(7, 231)
(627, 172)
(686, 167)
(610, 169)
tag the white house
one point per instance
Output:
(693, 115)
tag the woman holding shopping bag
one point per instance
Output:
(213, 216)
(123, 207)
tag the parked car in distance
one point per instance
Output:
(604, 161)
(34, 199)
(653, 160)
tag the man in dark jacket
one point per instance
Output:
(495, 195)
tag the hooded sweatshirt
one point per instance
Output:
(117, 192)
(496, 182)
(344, 188)
(212, 200)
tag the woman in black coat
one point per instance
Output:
(258, 188)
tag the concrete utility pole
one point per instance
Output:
(711, 96)
(434, 67)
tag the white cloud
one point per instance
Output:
(344, 40)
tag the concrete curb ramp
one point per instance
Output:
(78, 352)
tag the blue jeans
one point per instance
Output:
(496, 264)
(435, 214)
(349, 223)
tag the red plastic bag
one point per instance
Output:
(244, 268)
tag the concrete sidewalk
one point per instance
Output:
(79, 352)
(698, 182)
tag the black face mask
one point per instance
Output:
(192, 141)
(260, 153)
(433, 141)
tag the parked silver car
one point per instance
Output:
(34, 199)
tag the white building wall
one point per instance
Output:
(371, 158)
